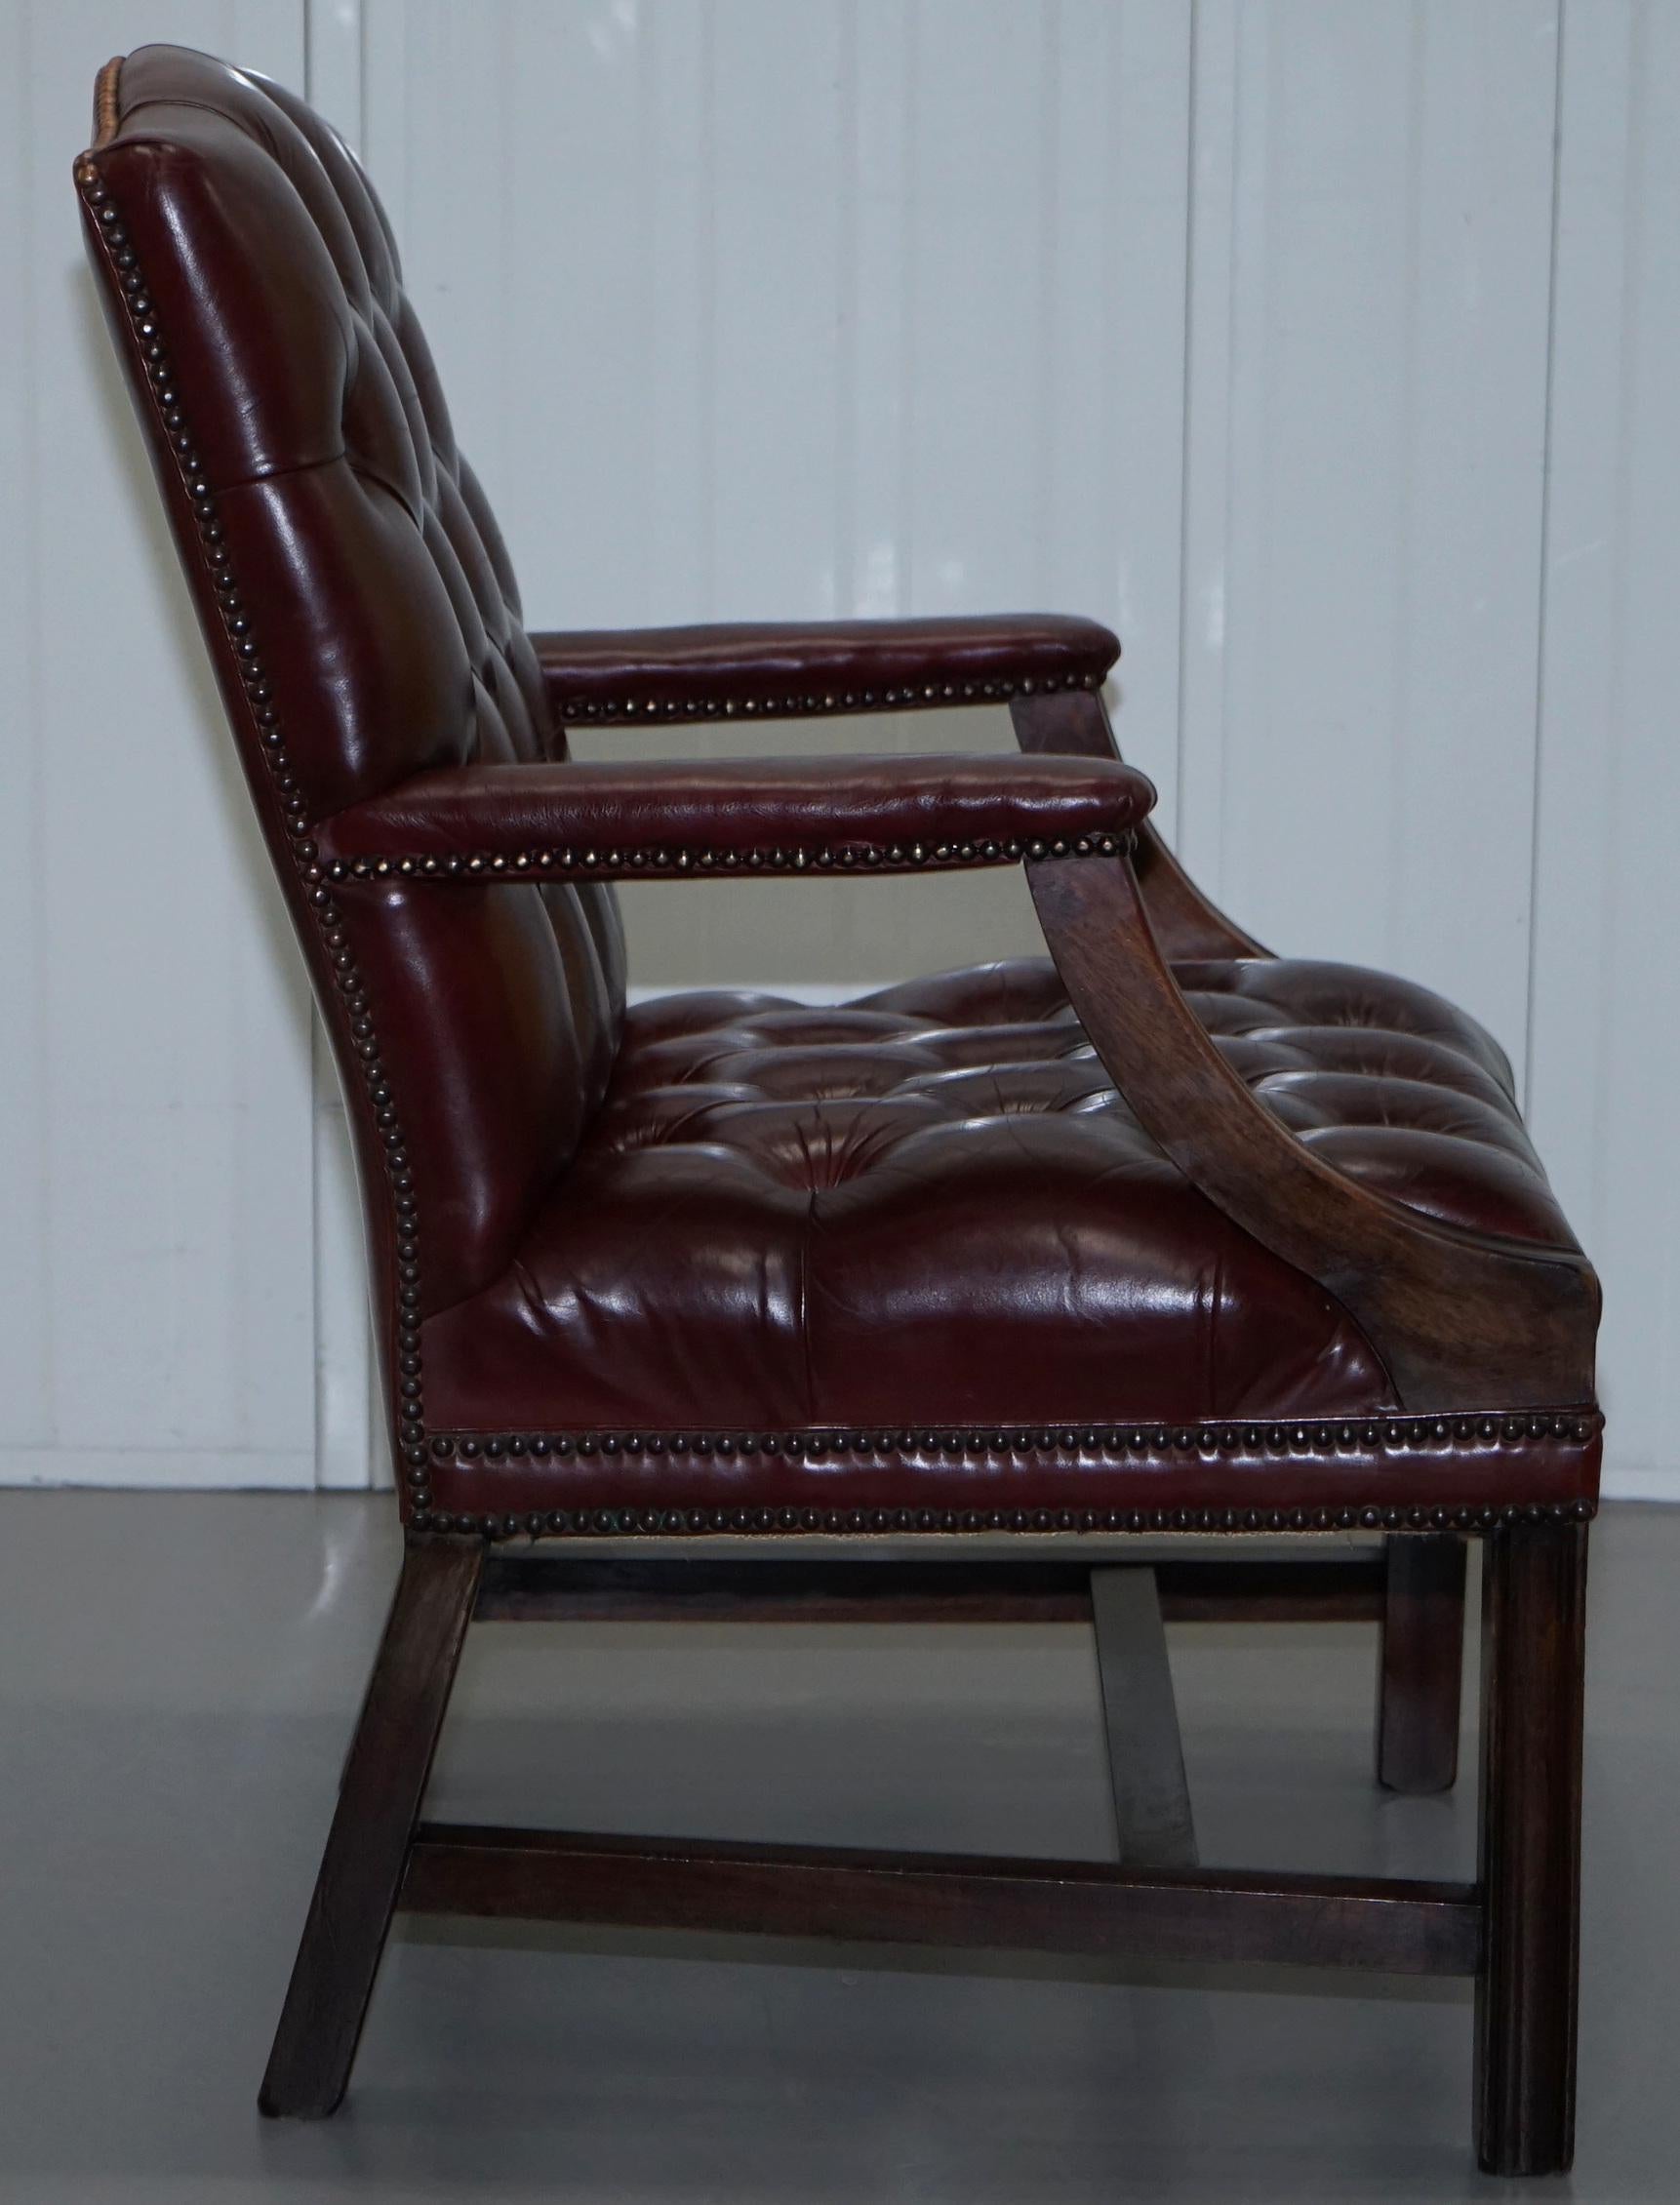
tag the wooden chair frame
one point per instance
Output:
(1514, 1929)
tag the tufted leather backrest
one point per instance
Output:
(365, 624)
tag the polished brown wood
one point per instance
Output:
(1534, 1620)
(1070, 1906)
(1154, 1826)
(1458, 1322)
(380, 1796)
(541, 1586)
(1075, 723)
(1514, 1930)
(1420, 1670)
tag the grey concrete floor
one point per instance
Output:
(177, 1680)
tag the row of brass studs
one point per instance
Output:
(687, 1522)
(288, 794)
(912, 696)
(1390, 1434)
(1382, 1434)
(619, 864)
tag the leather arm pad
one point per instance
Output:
(776, 671)
(736, 816)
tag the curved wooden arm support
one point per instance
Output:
(1459, 1322)
(1187, 925)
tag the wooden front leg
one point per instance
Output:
(1534, 1613)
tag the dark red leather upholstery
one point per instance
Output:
(744, 814)
(374, 589)
(818, 666)
(727, 1254)
(930, 1206)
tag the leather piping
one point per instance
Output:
(105, 101)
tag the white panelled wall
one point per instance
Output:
(1329, 351)
(156, 1147)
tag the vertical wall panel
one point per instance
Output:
(1370, 280)
(876, 118)
(977, 210)
(659, 485)
(1111, 426)
(777, 306)
(155, 1149)
(25, 1372)
(1606, 1040)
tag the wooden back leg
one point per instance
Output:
(1152, 1818)
(380, 1797)
(1421, 1667)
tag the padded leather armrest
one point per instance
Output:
(730, 814)
(778, 671)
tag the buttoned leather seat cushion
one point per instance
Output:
(929, 1205)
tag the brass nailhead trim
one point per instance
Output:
(669, 1523)
(622, 864)
(289, 801)
(911, 697)
(1391, 1435)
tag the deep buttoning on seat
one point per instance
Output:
(929, 1208)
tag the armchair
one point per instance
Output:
(946, 1301)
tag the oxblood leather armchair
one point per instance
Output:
(1029, 1262)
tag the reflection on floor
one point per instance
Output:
(177, 1680)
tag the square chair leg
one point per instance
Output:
(1152, 1817)
(366, 1851)
(1423, 1662)
(1534, 1611)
